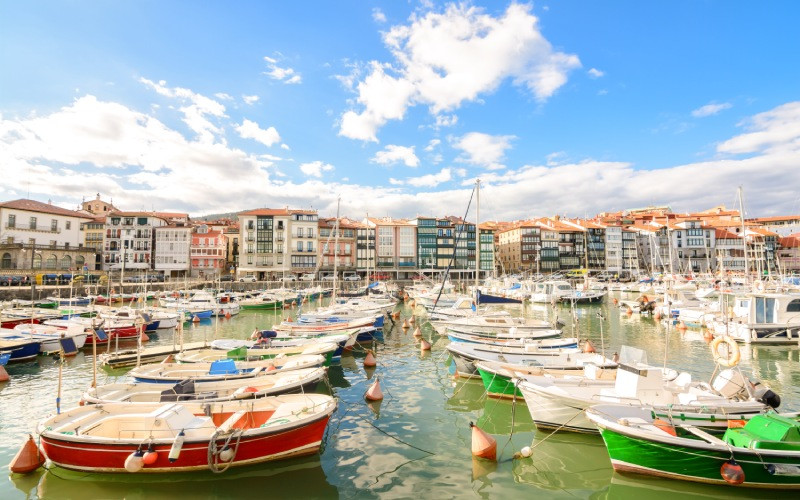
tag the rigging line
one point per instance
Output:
(393, 437)
(453, 257)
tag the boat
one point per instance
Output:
(512, 340)
(500, 379)
(269, 384)
(50, 336)
(179, 437)
(761, 318)
(245, 354)
(466, 354)
(559, 403)
(226, 369)
(261, 301)
(764, 452)
(583, 296)
(550, 292)
(20, 349)
(494, 325)
(482, 297)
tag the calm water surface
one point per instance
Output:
(416, 442)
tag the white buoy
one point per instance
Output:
(177, 445)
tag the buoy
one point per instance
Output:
(195, 319)
(412, 320)
(177, 445)
(588, 347)
(525, 452)
(417, 332)
(708, 336)
(395, 315)
(615, 301)
(629, 311)
(150, 456)
(227, 315)
(3, 374)
(271, 368)
(483, 445)
(168, 359)
(424, 345)
(681, 325)
(289, 319)
(369, 361)
(226, 455)
(732, 472)
(412, 304)
(657, 315)
(28, 458)
(374, 392)
(405, 325)
(145, 338)
(135, 461)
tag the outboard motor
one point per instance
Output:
(766, 395)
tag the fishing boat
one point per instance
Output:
(173, 437)
(226, 369)
(263, 301)
(20, 349)
(764, 452)
(323, 326)
(494, 325)
(466, 354)
(500, 379)
(50, 336)
(559, 403)
(516, 340)
(269, 384)
(245, 354)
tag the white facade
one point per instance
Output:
(614, 248)
(172, 249)
(130, 240)
(25, 226)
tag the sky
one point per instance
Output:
(396, 108)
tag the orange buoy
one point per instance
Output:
(395, 315)
(588, 347)
(227, 315)
(369, 361)
(708, 336)
(681, 325)
(3, 374)
(417, 332)
(412, 304)
(195, 319)
(629, 311)
(271, 368)
(424, 345)
(405, 325)
(168, 359)
(412, 320)
(28, 458)
(289, 319)
(374, 392)
(483, 445)
(145, 338)
(615, 301)
(732, 472)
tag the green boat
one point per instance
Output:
(499, 378)
(325, 349)
(260, 304)
(764, 452)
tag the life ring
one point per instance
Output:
(733, 352)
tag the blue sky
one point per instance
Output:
(397, 107)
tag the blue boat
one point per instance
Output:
(20, 349)
(485, 298)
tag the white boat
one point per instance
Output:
(244, 354)
(50, 336)
(493, 325)
(762, 318)
(269, 384)
(226, 369)
(548, 292)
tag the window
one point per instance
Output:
(68, 224)
(37, 261)
(6, 263)
(33, 223)
(12, 221)
(299, 246)
(310, 246)
(52, 262)
(793, 306)
(66, 262)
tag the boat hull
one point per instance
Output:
(92, 457)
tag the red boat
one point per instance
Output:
(174, 437)
(125, 330)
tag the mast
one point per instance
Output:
(478, 234)
(744, 237)
(336, 247)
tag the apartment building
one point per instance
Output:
(208, 252)
(172, 250)
(396, 248)
(337, 244)
(130, 240)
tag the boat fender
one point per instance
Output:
(175, 451)
(766, 395)
(150, 456)
(732, 472)
(732, 359)
(244, 392)
(226, 454)
(135, 461)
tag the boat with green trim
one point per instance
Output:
(244, 354)
(763, 453)
(500, 379)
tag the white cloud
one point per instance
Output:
(196, 113)
(483, 149)
(446, 120)
(250, 99)
(223, 96)
(776, 130)
(315, 168)
(392, 154)
(443, 59)
(395, 182)
(251, 130)
(595, 73)
(285, 146)
(378, 16)
(432, 144)
(431, 180)
(284, 74)
(710, 109)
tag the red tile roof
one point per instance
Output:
(45, 208)
(266, 211)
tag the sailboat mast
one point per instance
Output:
(744, 237)
(336, 247)
(478, 234)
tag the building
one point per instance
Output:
(518, 247)
(41, 236)
(303, 240)
(784, 225)
(93, 232)
(172, 250)
(396, 246)
(130, 240)
(728, 251)
(98, 207)
(465, 243)
(365, 248)
(693, 246)
(486, 250)
(273, 242)
(208, 252)
(788, 256)
(338, 247)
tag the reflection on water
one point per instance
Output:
(414, 443)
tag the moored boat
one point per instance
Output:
(225, 369)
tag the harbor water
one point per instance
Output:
(413, 444)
